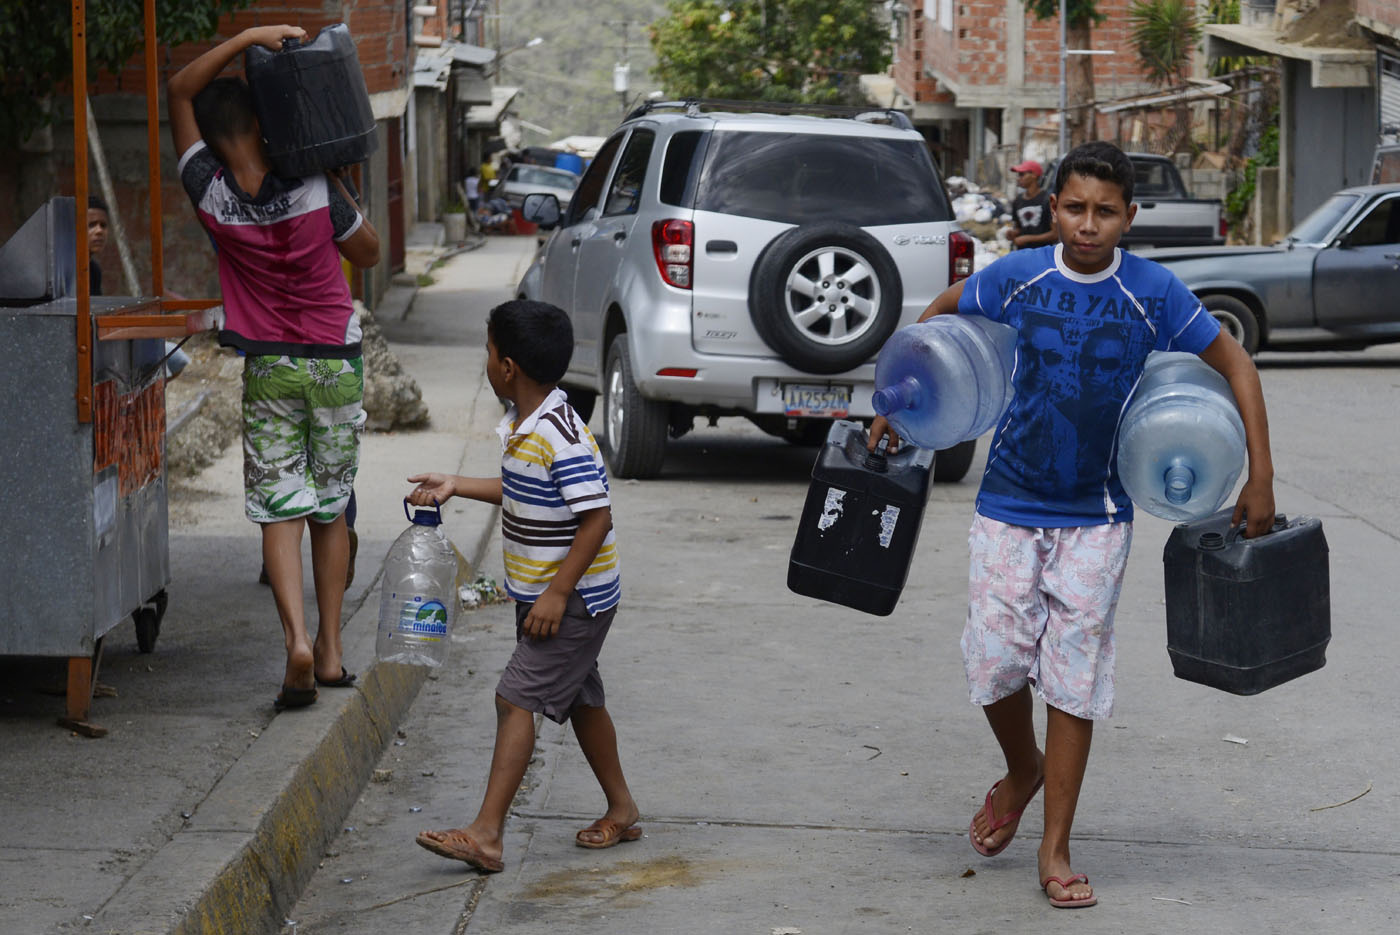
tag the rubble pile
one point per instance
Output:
(983, 216)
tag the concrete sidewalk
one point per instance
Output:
(202, 810)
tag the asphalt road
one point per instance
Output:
(803, 767)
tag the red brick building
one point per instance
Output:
(983, 76)
(382, 36)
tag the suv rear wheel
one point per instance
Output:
(634, 427)
(825, 296)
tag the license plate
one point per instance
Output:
(806, 399)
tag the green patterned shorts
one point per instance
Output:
(302, 420)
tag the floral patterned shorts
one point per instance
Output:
(1040, 611)
(302, 420)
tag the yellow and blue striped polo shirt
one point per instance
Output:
(551, 470)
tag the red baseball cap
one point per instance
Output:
(1030, 165)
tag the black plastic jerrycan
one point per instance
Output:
(860, 523)
(1244, 615)
(312, 103)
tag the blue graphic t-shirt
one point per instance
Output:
(1081, 346)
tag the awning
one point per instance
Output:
(433, 66)
(1333, 66)
(487, 116)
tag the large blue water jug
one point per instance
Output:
(945, 380)
(1181, 440)
(312, 103)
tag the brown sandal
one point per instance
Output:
(456, 844)
(612, 832)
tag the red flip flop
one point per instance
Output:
(998, 822)
(1083, 902)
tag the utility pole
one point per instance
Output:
(622, 70)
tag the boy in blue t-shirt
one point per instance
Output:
(1050, 540)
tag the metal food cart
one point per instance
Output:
(82, 442)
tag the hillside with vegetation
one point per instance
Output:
(566, 81)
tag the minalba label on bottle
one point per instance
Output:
(423, 619)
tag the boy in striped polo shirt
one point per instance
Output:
(561, 569)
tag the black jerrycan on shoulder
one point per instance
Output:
(312, 103)
(860, 523)
(1245, 615)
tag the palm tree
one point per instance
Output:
(1165, 33)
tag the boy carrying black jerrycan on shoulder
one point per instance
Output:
(288, 308)
(1050, 539)
(561, 569)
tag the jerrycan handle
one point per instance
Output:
(291, 44)
(1237, 532)
(428, 519)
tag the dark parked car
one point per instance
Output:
(1332, 282)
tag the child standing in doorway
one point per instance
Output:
(1050, 539)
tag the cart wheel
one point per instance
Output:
(147, 620)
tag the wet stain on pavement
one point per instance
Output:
(626, 877)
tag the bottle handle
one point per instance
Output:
(436, 506)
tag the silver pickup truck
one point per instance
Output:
(1166, 215)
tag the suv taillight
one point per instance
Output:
(673, 242)
(960, 254)
(1224, 226)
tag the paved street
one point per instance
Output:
(804, 767)
(798, 765)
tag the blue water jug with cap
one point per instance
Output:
(945, 380)
(1181, 440)
(418, 596)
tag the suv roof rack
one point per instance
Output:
(696, 106)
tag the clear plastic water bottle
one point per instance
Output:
(417, 599)
(1181, 440)
(945, 380)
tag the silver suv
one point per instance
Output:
(734, 263)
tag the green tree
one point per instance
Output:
(809, 51)
(36, 49)
(1080, 18)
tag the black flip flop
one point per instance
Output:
(346, 680)
(294, 698)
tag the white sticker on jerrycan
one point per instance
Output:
(888, 520)
(831, 511)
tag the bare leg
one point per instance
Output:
(281, 544)
(330, 554)
(515, 744)
(1067, 740)
(597, 738)
(1010, 719)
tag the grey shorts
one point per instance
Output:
(553, 676)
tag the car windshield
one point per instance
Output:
(534, 175)
(800, 178)
(1316, 226)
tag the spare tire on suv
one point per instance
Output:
(825, 296)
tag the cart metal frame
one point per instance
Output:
(157, 316)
